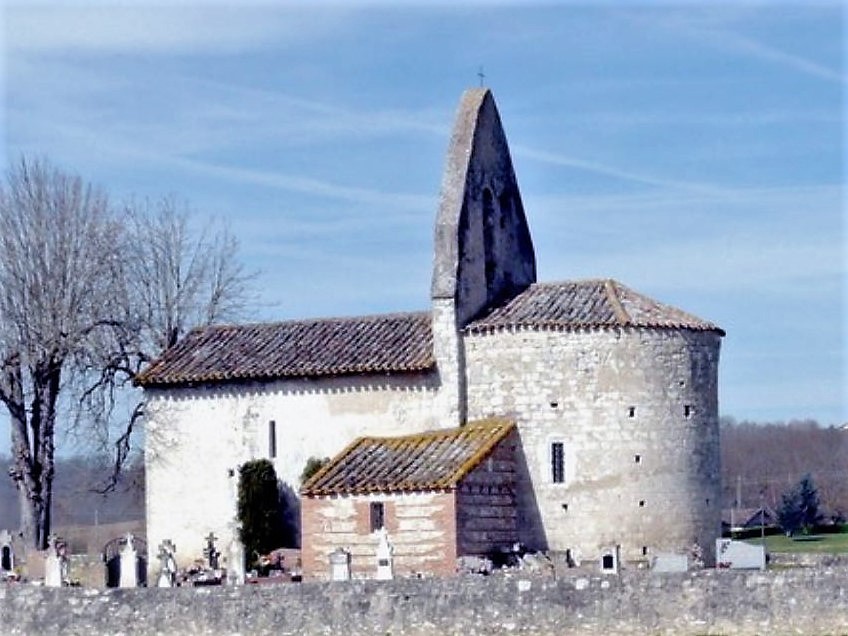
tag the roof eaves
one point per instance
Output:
(482, 452)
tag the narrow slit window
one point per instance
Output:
(272, 439)
(687, 410)
(631, 411)
(637, 459)
(558, 462)
(378, 515)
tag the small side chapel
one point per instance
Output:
(611, 395)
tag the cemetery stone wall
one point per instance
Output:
(795, 601)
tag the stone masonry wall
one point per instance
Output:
(485, 503)
(798, 602)
(637, 414)
(197, 438)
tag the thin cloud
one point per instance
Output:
(145, 27)
(788, 60)
(612, 171)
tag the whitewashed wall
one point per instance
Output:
(578, 388)
(196, 438)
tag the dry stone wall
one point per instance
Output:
(798, 602)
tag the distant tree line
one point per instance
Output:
(76, 500)
(764, 462)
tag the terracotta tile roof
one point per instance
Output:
(586, 304)
(389, 343)
(435, 460)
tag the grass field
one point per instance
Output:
(821, 543)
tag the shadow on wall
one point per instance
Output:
(531, 530)
(289, 516)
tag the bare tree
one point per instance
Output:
(174, 280)
(87, 298)
(58, 264)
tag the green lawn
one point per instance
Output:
(822, 543)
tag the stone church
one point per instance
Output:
(613, 395)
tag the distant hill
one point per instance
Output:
(75, 502)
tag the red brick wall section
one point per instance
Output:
(421, 528)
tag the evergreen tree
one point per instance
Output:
(259, 508)
(799, 509)
(808, 496)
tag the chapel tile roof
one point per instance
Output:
(388, 343)
(395, 343)
(586, 304)
(434, 460)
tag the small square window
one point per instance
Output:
(378, 515)
(641, 503)
(631, 411)
(637, 459)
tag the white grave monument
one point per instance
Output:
(384, 557)
(129, 563)
(235, 562)
(738, 555)
(339, 565)
(53, 566)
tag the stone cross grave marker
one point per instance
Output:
(210, 552)
(167, 564)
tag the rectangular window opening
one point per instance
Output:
(631, 411)
(637, 459)
(687, 410)
(558, 462)
(272, 439)
(378, 515)
(644, 550)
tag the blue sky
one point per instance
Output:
(693, 151)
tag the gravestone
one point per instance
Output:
(670, 563)
(384, 557)
(339, 565)
(7, 554)
(128, 564)
(610, 560)
(738, 555)
(167, 564)
(55, 563)
(235, 563)
(118, 558)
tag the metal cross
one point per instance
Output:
(481, 75)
